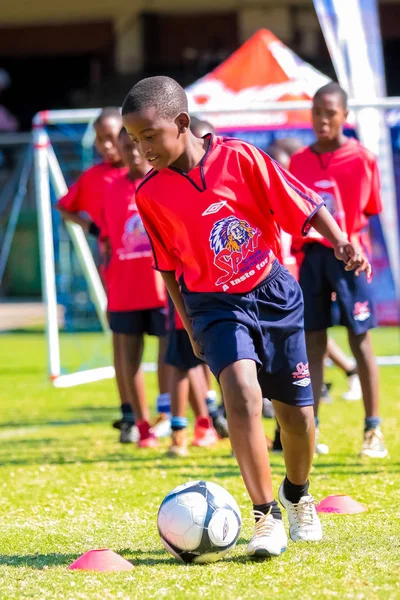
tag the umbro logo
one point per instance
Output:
(302, 382)
(214, 208)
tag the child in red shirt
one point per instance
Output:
(135, 291)
(87, 193)
(346, 175)
(212, 208)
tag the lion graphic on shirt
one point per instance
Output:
(231, 240)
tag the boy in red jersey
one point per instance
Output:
(346, 175)
(212, 207)
(87, 193)
(135, 291)
(187, 381)
(83, 204)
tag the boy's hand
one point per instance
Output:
(353, 257)
(197, 349)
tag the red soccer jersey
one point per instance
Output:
(348, 181)
(87, 193)
(218, 225)
(132, 283)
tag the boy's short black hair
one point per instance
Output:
(333, 88)
(108, 112)
(163, 93)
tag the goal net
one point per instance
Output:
(78, 338)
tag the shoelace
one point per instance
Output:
(264, 526)
(304, 511)
(372, 438)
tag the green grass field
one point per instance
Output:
(67, 486)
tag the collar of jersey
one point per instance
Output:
(203, 186)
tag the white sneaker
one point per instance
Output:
(162, 426)
(269, 537)
(354, 392)
(304, 523)
(320, 448)
(373, 445)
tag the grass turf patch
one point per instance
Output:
(67, 486)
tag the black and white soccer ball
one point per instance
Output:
(199, 522)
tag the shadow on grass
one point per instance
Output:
(37, 561)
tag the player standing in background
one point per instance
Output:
(83, 203)
(212, 208)
(135, 291)
(281, 150)
(346, 175)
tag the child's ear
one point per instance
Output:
(183, 122)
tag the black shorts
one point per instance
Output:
(139, 322)
(320, 275)
(180, 352)
(264, 325)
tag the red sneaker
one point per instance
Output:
(204, 433)
(147, 439)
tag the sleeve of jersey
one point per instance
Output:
(374, 206)
(292, 203)
(72, 199)
(163, 260)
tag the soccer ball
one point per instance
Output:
(199, 522)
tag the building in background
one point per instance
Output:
(73, 53)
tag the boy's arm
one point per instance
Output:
(348, 252)
(86, 224)
(173, 289)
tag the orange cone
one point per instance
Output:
(101, 560)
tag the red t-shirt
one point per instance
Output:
(348, 181)
(131, 282)
(218, 225)
(87, 193)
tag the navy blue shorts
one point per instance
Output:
(179, 351)
(139, 322)
(264, 325)
(320, 275)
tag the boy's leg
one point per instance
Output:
(128, 431)
(130, 357)
(298, 440)
(316, 343)
(368, 371)
(339, 358)
(179, 391)
(243, 402)
(204, 432)
(361, 346)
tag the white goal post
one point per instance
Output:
(48, 172)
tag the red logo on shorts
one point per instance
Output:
(361, 311)
(302, 375)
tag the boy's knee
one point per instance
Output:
(246, 400)
(296, 419)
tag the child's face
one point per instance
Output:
(328, 116)
(106, 141)
(161, 141)
(131, 156)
